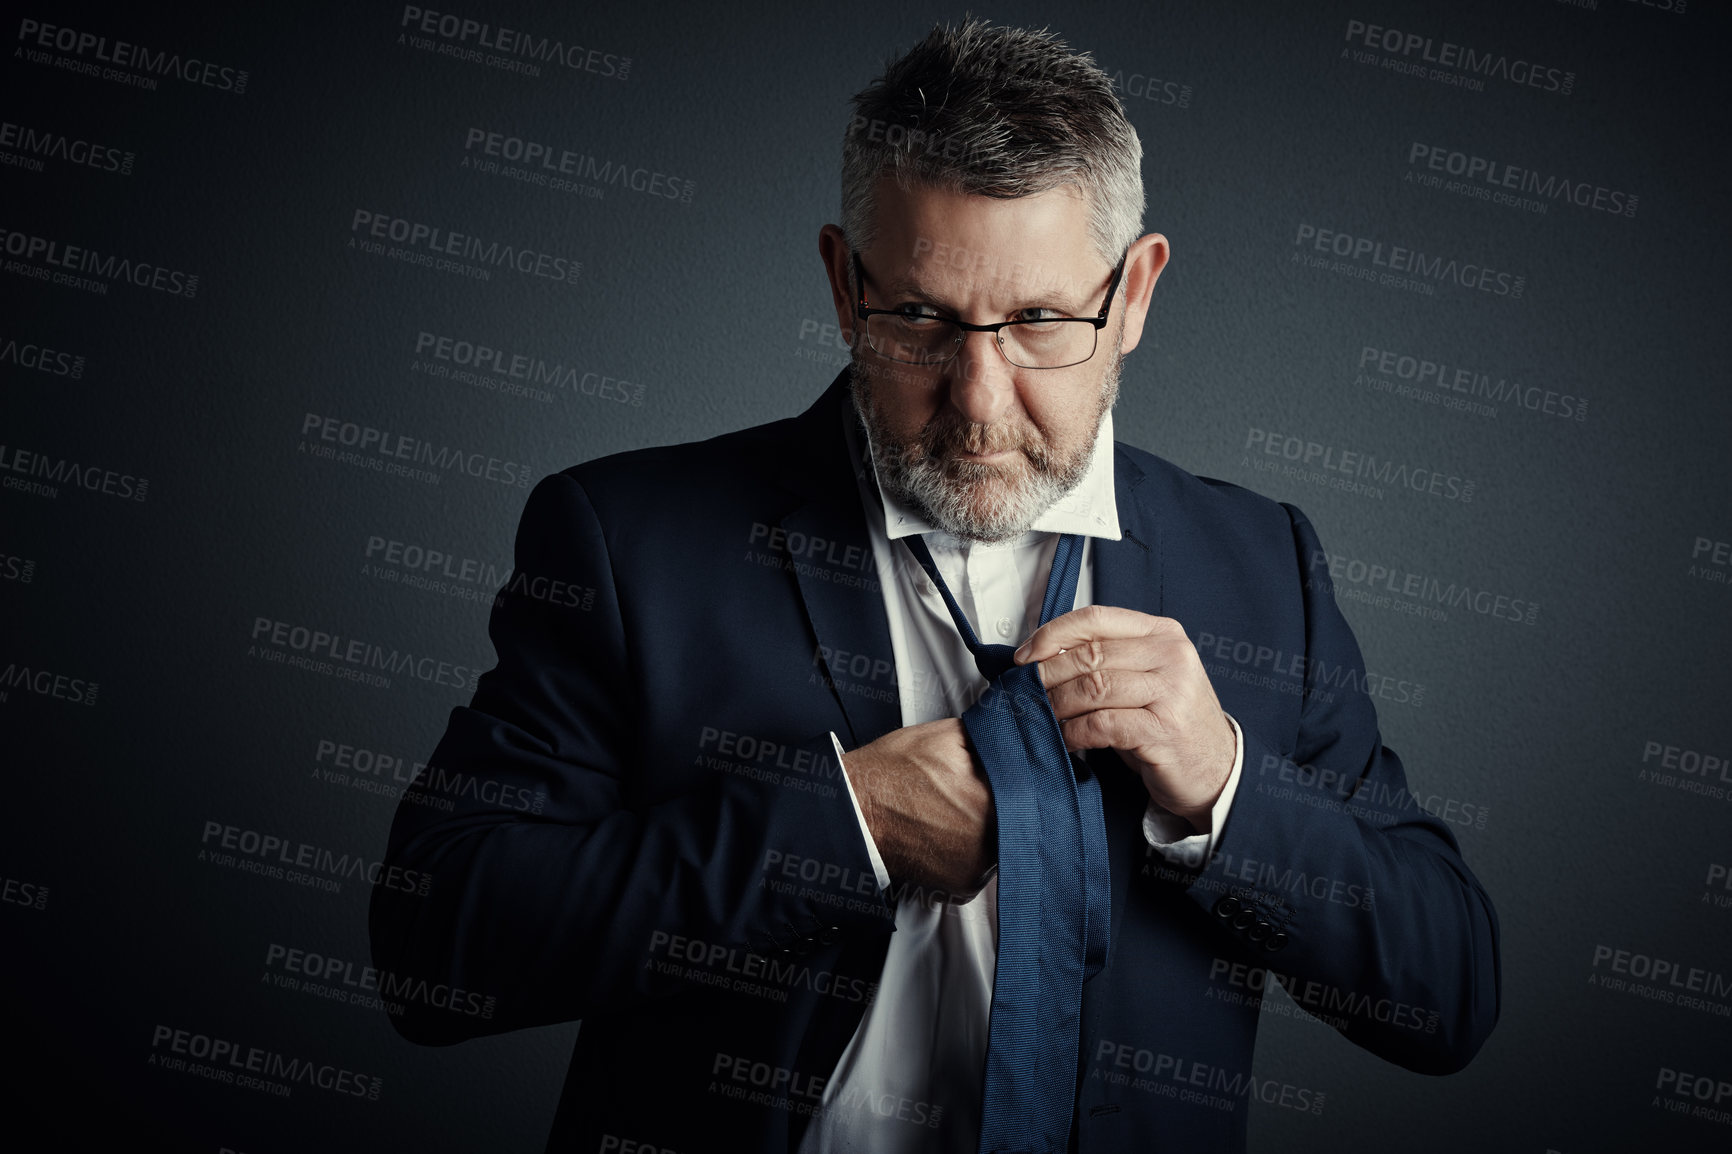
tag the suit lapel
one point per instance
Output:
(1128, 572)
(853, 638)
(844, 605)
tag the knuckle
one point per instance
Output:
(1074, 732)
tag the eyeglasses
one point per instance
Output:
(926, 338)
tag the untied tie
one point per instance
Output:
(1054, 883)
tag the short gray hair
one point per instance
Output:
(1001, 112)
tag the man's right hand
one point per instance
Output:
(928, 806)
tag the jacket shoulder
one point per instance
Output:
(1228, 517)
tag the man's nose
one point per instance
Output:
(981, 385)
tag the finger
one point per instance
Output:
(1091, 623)
(1143, 654)
(1106, 689)
(1123, 729)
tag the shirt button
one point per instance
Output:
(1005, 625)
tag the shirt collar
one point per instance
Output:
(1089, 510)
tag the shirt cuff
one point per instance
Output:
(871, 846)
(1168, 833)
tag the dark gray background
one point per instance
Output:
(711, 307)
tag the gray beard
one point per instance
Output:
(949, 492)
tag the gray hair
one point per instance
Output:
(1000, 112)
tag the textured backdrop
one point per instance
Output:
(300, 301)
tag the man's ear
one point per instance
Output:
(833, 248)
(1144, 261)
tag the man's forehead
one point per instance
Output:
(936, 242)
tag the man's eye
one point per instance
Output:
(1039, 314)
(923, 318)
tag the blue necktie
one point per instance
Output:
(1054, 884)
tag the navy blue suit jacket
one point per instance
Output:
(638, 820)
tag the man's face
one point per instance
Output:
(979, 445)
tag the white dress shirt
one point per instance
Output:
(910, 1080)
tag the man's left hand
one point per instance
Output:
(1132, 682)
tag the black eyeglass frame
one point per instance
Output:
(862, 311)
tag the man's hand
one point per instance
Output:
(928, 806)
(1132, 682)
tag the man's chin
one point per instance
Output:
(986, 509)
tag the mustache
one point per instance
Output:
(947, 433)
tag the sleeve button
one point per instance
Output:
(1227, 907)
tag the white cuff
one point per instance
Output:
(871, 846)
(1166, 831)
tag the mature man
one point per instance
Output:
(819, 860)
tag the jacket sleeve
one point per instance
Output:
(1331, 874)
(551, 880)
